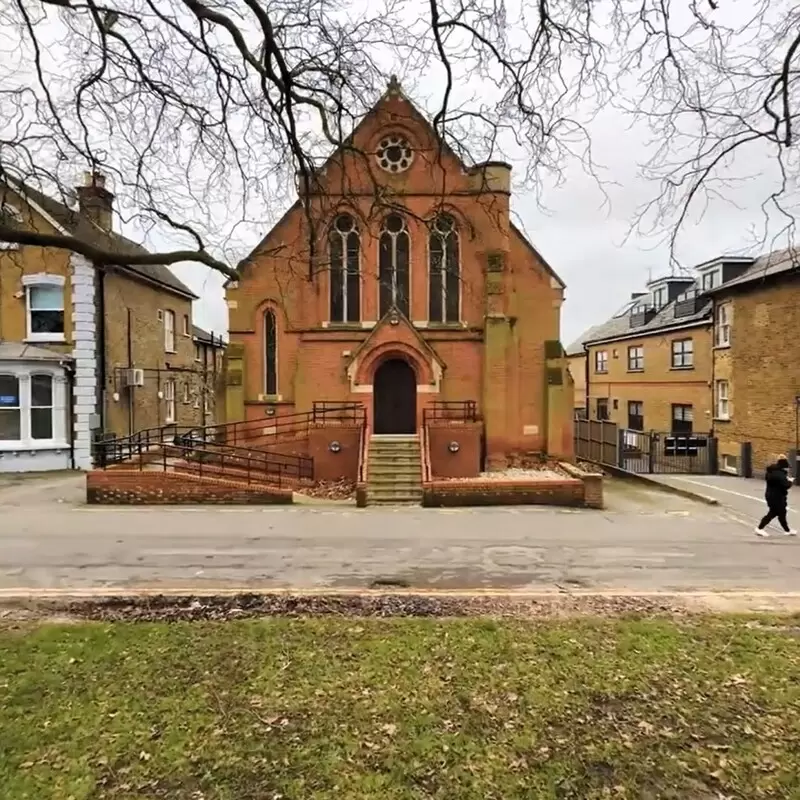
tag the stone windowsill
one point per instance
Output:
(18, 446)
(46, 338)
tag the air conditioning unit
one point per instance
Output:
(135, 377)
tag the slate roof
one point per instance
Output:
(576, 348)
(778, 262)
(202, 335)
(619, 325)
(21, 351)
(81, 227)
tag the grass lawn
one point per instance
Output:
(697, 709)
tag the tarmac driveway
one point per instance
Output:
(644, 541)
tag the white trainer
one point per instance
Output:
(761, 532)
(790, 533)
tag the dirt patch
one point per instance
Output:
(343, 489)
(246, 605)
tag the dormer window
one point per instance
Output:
(709, 280)
(659, 297)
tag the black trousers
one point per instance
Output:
(776, 511)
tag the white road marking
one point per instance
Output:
(727, 491)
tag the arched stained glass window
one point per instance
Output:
(444, 288)
(345, 280)
(393, 266)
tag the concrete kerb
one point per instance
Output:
(53, 604)
(654, 483)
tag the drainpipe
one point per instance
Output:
(586, 380)
(101, 343)
(69, 370)
(130, 366)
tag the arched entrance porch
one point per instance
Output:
(394, 398)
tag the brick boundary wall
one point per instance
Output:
(135, 487)
(581, 490)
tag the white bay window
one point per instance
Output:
(32, 407)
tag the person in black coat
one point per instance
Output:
(776, 495)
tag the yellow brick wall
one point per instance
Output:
(143, 300)
(658, 386)
(26, 260)
(577, 369)
(762, 366)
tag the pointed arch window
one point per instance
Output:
(345, 283)
(270, 353)
(444, 304)
(393, 258)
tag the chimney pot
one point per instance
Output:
(95, 200)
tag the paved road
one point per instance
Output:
(742, 497)
(644, 541)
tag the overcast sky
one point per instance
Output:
(582, 235)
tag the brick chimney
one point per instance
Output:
(95, 201)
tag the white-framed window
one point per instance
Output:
(709, 280)
(32, 408)
(10, 409)
(682, 353)
(206, 405)
(722, 403)
(601, 361)
(169, 331)
(730, 463)
(722, 325)
(42, 407)
(186, 330)
(169, 401)
(187, 393)
(635, 357)
(44, 307)
(197, 352)
(659, 297)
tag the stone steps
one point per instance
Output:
(394, 473)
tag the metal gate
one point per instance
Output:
(679, 453)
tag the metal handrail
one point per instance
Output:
(452, 410)
(252, 463)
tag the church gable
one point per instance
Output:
(393, 147)
(394, 335)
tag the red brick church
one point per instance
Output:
(398, 280)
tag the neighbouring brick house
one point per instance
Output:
(209, 351)
(577, 363)
(756, 362)
(419, 288)
(649, 366)
(104, 349)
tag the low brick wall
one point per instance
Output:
(134, 487)
(592, 483)
(580, 489)
(568, 492)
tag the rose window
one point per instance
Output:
(394, 153)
